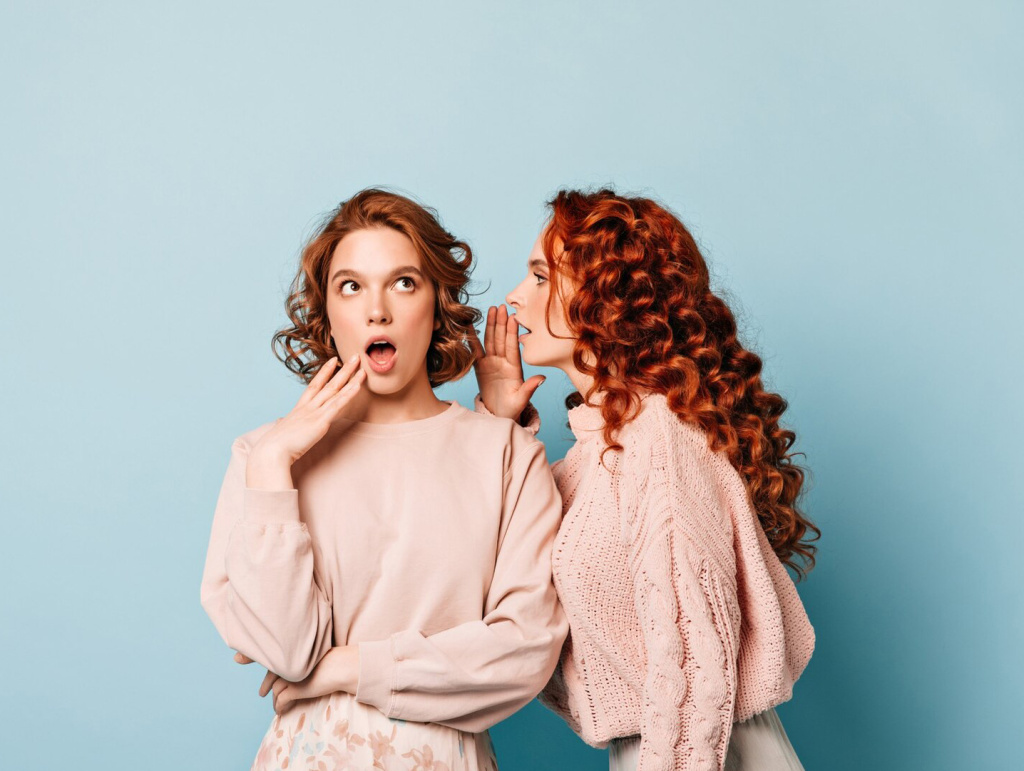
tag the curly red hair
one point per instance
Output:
(645, 319)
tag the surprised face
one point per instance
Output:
(380, 305)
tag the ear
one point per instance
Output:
(437, 323)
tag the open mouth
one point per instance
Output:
(523, 330)
(381, 353)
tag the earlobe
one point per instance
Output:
(437, 324)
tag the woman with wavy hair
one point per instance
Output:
(385, 554)
(679, 495)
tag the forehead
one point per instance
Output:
(377, 250)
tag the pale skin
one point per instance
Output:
(498, 366)
(499, 373)
(376, 287)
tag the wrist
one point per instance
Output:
(345, 668)
(268, 468)
(509, 411)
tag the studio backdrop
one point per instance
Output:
(853, 171)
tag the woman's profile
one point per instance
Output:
(680, 493)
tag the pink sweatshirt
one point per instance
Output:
(427, 543)
(683, 621)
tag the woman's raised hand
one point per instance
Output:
(499, 370)
(328, 394)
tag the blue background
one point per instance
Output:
(853, 171)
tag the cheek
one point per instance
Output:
(341, 327)
(553, 315)
(419, 320)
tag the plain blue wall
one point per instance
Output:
(854, 172)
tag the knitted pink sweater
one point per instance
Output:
(682, 619)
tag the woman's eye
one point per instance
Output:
(348, 287)
(405, 283)
(540, 279)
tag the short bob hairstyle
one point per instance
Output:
(306, 345)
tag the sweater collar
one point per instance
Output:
(586, 422)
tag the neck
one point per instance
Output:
(580, 382)
(415, 401)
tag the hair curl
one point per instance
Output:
(306, 345)
(645, 319)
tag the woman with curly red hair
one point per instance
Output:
(679, 495)
(385, 554)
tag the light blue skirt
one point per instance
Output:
(758, 744)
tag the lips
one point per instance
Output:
(381, 353)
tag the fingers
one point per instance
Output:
(337, 403)
(319, 379)
(241, 658)
(269, 681)
(341, 378)
(500, 322)
(531, 385)
(512, 342)
(282, 696)
(492, 315)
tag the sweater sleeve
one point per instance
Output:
(529, 418)
(475, 674)
(690, 623)
(260, 585)
(555, 697)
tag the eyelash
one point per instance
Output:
(540, 278)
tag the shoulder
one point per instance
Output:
(487, 433)
(245, 442)
(657, 436)
(672, 465)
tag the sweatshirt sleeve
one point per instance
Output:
(529, 418)
(690, 622)
(475, 674)
(259, 585)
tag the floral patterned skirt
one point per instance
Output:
(336, 732)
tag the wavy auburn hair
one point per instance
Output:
(645, 317)
(306, 345)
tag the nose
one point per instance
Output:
(514, 298)
(378, 311)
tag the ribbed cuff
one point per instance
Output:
(377, 673)
(267, 507)
(530, 418)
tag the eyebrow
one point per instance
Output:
(403, 269)
(536, 262)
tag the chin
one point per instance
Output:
(381, 387)
(532, 359)
(387, 384)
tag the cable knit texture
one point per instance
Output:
(682, 619)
